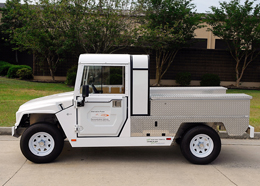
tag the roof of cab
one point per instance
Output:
(104, 58)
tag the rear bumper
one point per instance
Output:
(251, 131)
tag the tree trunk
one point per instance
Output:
(157, 76)
(34, 61)
(164, 60)
(237, 82)
(52, 75)
(16, 56)
(237, 76)
(158, 68)
(50, 68)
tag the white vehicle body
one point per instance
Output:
(129, 112)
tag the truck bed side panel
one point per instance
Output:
(169, 112)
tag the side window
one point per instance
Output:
(104, 79)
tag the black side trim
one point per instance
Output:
(148, 97)
(64, 109)
(125, 118)
(131, 85)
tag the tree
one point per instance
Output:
(54, 27)
(238, 25)
(100, 27)
(11, 19)
(168, 26)
(42, 34)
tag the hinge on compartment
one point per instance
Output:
(78, 128)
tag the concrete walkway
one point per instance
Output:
(237, 164)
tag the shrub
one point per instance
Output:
(71, 76)
(183, 78)
(4, 69)
(3, 63)
(24, 73)
(210, 80)
(13, 70)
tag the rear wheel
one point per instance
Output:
(201, 145)
(41, 143)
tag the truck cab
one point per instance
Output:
(113, 105)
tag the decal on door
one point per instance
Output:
(100, 115)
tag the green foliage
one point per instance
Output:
(210, 80)
(12, 72)
(4, 69)
(41, 34)
(4, 66)
(3, 63)
(238, 25)
(71, 76)
(51, 29)
(98, 27)
(12, 18)
(175, 17)
(167, 27)
(183, 78)
(24, 73)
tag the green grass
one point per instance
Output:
(14, 93)
(254, 106)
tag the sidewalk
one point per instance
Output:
(237, 164)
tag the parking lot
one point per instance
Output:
(237, 164)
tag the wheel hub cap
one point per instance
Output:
(201, 145)
(42, 143)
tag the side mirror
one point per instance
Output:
(85, 91)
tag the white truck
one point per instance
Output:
(113, 105)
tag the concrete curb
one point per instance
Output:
(223, 135)
(5, 130)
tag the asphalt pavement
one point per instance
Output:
(237, 164)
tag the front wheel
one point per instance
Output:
(41, 143)
(201, 145)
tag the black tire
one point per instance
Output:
(41, 143)
(201, 145)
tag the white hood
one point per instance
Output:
(63, 98)
(48, 104)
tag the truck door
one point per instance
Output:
(105, 110)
